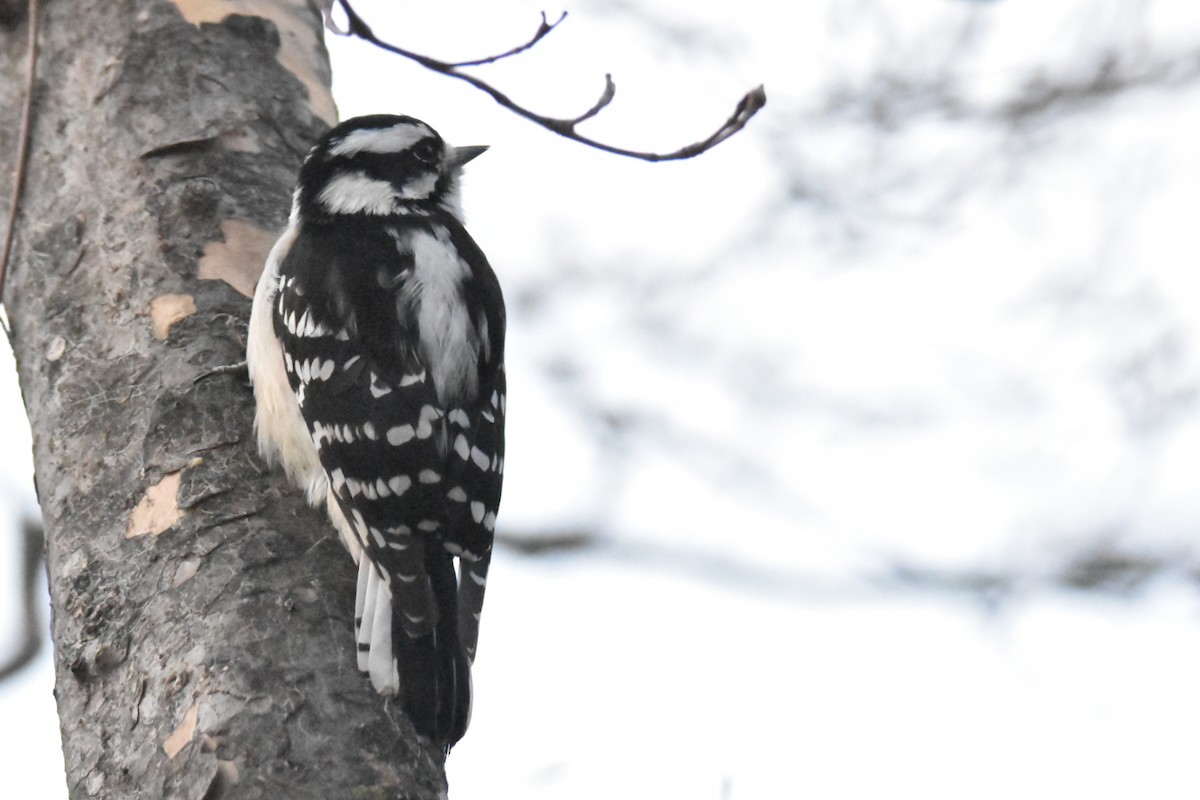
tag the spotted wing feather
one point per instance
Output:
(392, 452)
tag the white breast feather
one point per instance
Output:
(448, 340)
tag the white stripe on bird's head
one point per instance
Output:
(355, 193)
(395, 139)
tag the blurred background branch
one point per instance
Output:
(30, 602)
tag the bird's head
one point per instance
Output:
(381, 165)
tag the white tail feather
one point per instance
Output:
(381, 663)
(370, 595)
(361, 623)
(373, 614)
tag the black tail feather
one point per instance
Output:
(435, 679)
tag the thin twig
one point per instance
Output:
(542, 31)
(22, 144)
(606, 97)
(746, 108)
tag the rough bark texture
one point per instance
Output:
(202, 615)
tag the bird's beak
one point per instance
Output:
(461, 155)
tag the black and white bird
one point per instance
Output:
(376, 349)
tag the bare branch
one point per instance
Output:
(747, 107)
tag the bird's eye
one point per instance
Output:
(427, 152)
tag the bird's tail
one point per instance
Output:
(410, 646)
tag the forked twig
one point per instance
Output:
(542, 31)
(746, 108)
(610, 91)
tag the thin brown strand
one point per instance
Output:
(22, 144)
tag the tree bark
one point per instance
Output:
(202, 615)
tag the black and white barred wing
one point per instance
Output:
(475, 438)
(414, 466)
(380, 437)
(475, 473)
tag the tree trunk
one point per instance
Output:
(202, 615)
